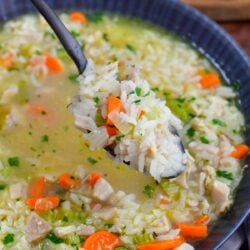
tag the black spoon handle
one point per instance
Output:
(69, 43)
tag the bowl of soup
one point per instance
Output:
(57, 193)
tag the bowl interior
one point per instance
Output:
(210, 40)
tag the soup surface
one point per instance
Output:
(50, 177)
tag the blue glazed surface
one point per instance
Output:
(205, 35)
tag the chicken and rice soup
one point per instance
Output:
(57, 193)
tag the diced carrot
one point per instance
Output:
(94, 177)
(162, 245)
(38, 109)
(210, 80)
(78, 17)
(202, 220)
(111, 130)
(53, 64)
(141, 114)
(7, 61)
(113, 104)
(193, 230)
(66, 181)
(38, 187)
(43, 204)
(102, 240)
(240, 151)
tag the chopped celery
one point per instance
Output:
(171, 188)
(180, 109)
(73, 239)
(4, 111)
(23, 92)
(99, 119)
(143, 238)
(63, 55)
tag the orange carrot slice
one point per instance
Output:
(102, 240)
(240, 151)
(201, 220)
(193, 230)
(68, 182)
(53, 64)
(113, 104)
(162, 245)
(43, 204)
(78, 17)
(7, 61)
(210, 80)
(38, 109)
(112, 131)
(94, 177)
(38, 187)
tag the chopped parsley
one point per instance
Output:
(50, 34)
(96, 99)
(130, 47)
(149, 191)
(92, 161)
(138, 91)
(147, 94)
(108, 225)
(8, 239)
(105, 37)
(95, 17)
(121, 248)
(156, 89)
(190, 132)
(219, 122)
(14, 161)
(236, 86)
(3, 186)
(55, 239)
(44, 138)
(225, 174)
(181, 100)
(204, 140)
(73, 77)
(137, 101)
(75, 34)
(119, 137)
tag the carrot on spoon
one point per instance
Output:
(53, 64)
(77, 16)
(103, 240)
(193, 230)
(210, 80)
(240, 151)
(113, 104)
(162, 245)
(202, 220)
(66, 181)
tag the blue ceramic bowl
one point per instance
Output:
(209, 39)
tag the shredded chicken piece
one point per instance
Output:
(18, 190)
(63, 231)
(37, 228)
(184, 246)
(84, 230)
(102, 190)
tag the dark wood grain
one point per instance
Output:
(240, 31)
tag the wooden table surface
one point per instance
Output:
(240, 31)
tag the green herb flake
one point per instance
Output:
(75, 34)
(96, 99)
(119, 137)
(147, 94)
(130, 47)
(95, 17)
(14, 161)
(105, 37)
(204, 140)
(108, 225)
(156, 89)
(121, 248)
(73, 77)
(225, 174)
(137, 101)
(3, 186)
(44, 138)
(50, 34)
(181, 100)
(8, 239)
(236, 86)
(53, 238)
(92, 161)
(149, 191)
(138, 91)
(219, 122)
(190, 132)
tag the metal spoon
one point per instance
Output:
(74, 50)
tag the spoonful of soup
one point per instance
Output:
(117, 111)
